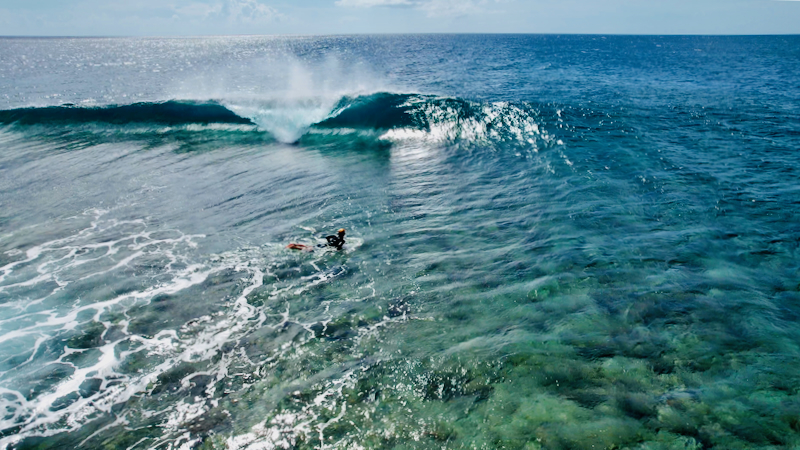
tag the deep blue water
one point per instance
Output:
(553, 242)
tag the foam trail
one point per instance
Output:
(66, 406)
(43, 263)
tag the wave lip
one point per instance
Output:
(172, 112)
(414, 116)
(391, 116)
(377, 111)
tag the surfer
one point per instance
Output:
(336, 241)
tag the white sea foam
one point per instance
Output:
(499, 121)
(103, 248)
(286, 119)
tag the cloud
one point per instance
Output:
(199, 10)
(238, 11)
(445, 8)
(249, 11)
(433, 8)
(371, 3)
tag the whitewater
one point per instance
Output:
(553, 242)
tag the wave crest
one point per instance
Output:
(390, 116)
(411, 116)
(171, 112)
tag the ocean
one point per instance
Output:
(552, 242)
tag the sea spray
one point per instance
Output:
(289, 94)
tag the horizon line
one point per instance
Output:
(195, 36)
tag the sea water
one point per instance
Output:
(553, 242)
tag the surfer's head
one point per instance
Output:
(341, 231)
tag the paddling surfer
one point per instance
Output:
(336, 241)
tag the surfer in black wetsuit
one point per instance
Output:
(335, 241)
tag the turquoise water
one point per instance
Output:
(555, 242)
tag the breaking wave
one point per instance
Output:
(389, 116)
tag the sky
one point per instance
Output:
(268, 17)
